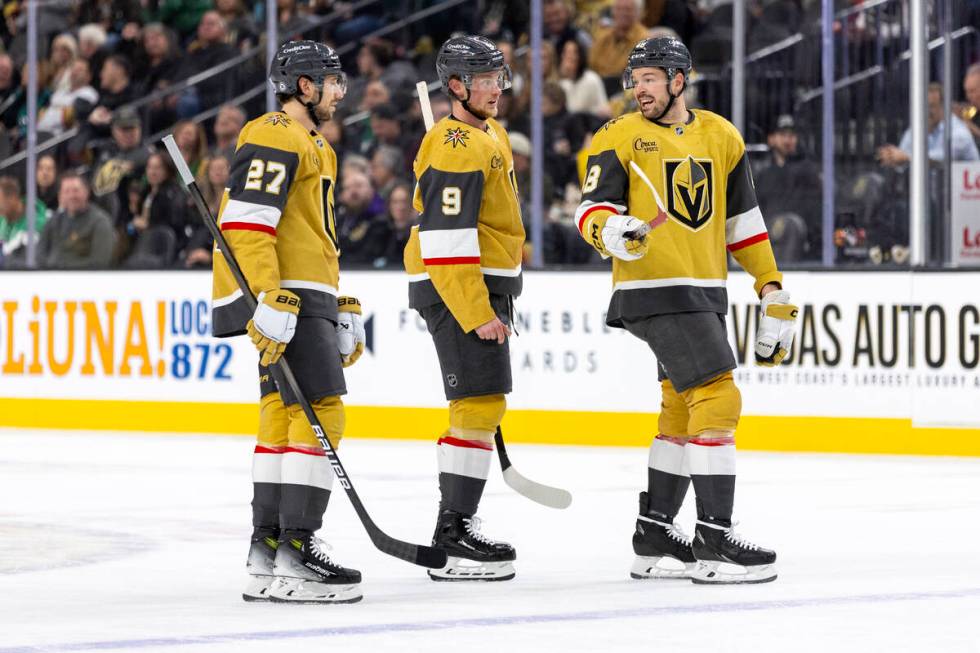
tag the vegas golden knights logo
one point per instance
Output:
(690, 190)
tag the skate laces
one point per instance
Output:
(677, 534)
(473, 528)
(738, 540)
(319, 549)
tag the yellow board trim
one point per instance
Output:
(765, 433)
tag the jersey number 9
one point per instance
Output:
(452, 200)
(256, 175)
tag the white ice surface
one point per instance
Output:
(123, 542)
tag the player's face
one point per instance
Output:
(334, 89)
(485, 91)
(650, 90)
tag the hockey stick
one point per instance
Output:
(418, 554)
(661, 216)
(546, 495)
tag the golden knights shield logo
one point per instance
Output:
(690, 190)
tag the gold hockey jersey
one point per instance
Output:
(277, 216)
(703, 178)
(470, 238)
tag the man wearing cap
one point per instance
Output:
(789, 192)
(122, 159)
(667, 194)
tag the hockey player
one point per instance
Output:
(277, 216)
(669, 291)
(464, 266)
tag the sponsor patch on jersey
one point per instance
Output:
(456, 136)
(496, 162)
(690, 184)
(641, 145)
(277, 119)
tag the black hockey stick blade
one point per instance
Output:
(546, 495)
(418, 554)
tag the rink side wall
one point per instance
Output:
(884, 362)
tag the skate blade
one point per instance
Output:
(461, 569)
(297, 590)
(660, 567)
(723, 573)
(257, 590)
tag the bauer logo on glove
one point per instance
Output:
(776, 329)
(350, 330)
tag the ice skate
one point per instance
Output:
(472, 555)
(724, 558)
(662, 549)
(304, 573)
(261, 555)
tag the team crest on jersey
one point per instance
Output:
(690, 184)
(277, 119)
(456, 136)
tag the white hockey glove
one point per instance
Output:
(776, 329)
(273, 324)
(625, 237)
(350, 330)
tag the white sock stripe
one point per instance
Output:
(464, 461)
(305, 469)
(716, 460)
(267, 468)
(667, 456)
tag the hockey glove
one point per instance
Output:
(776, 324)
(350, 330)
(625, 237)
(273, 324)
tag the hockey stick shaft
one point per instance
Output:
(546, 495)
(422, 88)
(417, 554)
(662, 215)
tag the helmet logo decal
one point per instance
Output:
(456, 136)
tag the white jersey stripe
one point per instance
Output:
(667, 283)
(308, 285)
(239, 211)
(744, 225)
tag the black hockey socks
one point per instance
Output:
(667, 480)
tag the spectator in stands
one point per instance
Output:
(182, 15)
(376, 62)
(158, 232)
(79, 235)
(67, 105)
(115, 90)
(558, 27)
(47, 181)
(401, 218)
(611, 45)
(14, 234)
(364, 232)
(192, 142)
(970, 111)
(64, 51)
(292, 19)
(9, 92)
(158, 67)
(242, 32)
(123, 158)
(386, 128)
(227, 126)
(520, 145)
(375, 94)
(964, 148)
(584, 90)
(387, 166)
(789, 193)
(209, 49)
(91, 41)
(212, 180)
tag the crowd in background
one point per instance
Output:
(107, 195)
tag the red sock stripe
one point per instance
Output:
(260, 448)
(452, 260)
(713, 442)
(597, 207)
(468, 444)
(758, 238)
(672, 439)
(308, 452)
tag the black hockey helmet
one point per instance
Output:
(669, 54)
(465, 56)
(296, 59)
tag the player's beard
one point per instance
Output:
(653, 111)
(324, 114)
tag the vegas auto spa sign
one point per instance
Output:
(965, 233)
(886, 345)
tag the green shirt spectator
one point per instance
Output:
(13, 224)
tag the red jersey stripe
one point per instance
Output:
(604, 207)
(248, 226)
(469, 444)
(758, 238)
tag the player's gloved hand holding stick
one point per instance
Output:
(776, 327)
(546, 495)
(271, 329)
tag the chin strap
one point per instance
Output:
(466, 105)
(673, 97)
(311, 107)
